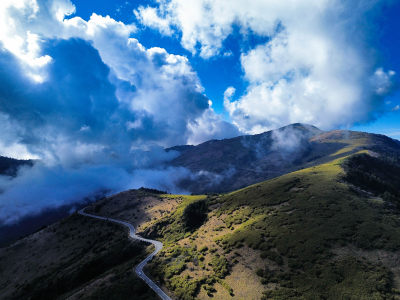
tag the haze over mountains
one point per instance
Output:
(225, 165)
(9, 166)
(330, 230)
(229, 164)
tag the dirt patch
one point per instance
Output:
(135, 206)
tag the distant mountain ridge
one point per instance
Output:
(229, 164)
(9, 166)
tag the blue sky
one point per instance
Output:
(388, 44)
(179, 72)
(215, 74)
(219, 72)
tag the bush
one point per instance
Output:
(275, 257)
(203, 249)
(220, 266)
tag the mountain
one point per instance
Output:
(31, 224)
(9, 166)
(229, 164)
(75, 258)
(226, 165)
(310, 234)
(330, 230)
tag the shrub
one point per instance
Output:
(220, 266)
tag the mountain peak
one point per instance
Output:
(225, 165)
(303, 127)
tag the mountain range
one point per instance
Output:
(230, 164)
(295, 213)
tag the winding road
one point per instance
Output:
(139, 268)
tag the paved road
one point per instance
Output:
(139, 268)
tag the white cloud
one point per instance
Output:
(311, 78)
(199, 21)
(210, 22)
(150, 82)
(229, 92)
(314, 67)
(288, 85)
(210, 126)
(19, 23)
(149, 16)
(382, 81)
(100, 105)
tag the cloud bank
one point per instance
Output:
(97, 107)
(93, 104)
(316, 67)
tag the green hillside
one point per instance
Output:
(315, 237)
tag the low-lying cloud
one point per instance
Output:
(92, 104)
(96, 107)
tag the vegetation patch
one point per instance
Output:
(189, 215)
(220, 266)
(380, 176)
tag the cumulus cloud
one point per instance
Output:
(314, 67)
(149, 16)
(92, 103)
(210, 126)
(229, 92)
(209, 23)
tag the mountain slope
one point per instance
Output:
(305, 235)
(328, 231)
(76, 258)
(9, 167)
(226, 165)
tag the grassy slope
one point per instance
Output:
(77, 258)
(288, 234)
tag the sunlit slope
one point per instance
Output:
(304, 235)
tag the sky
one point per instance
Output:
(227, 71)
(90, 88)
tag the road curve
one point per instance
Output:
(139, 268)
